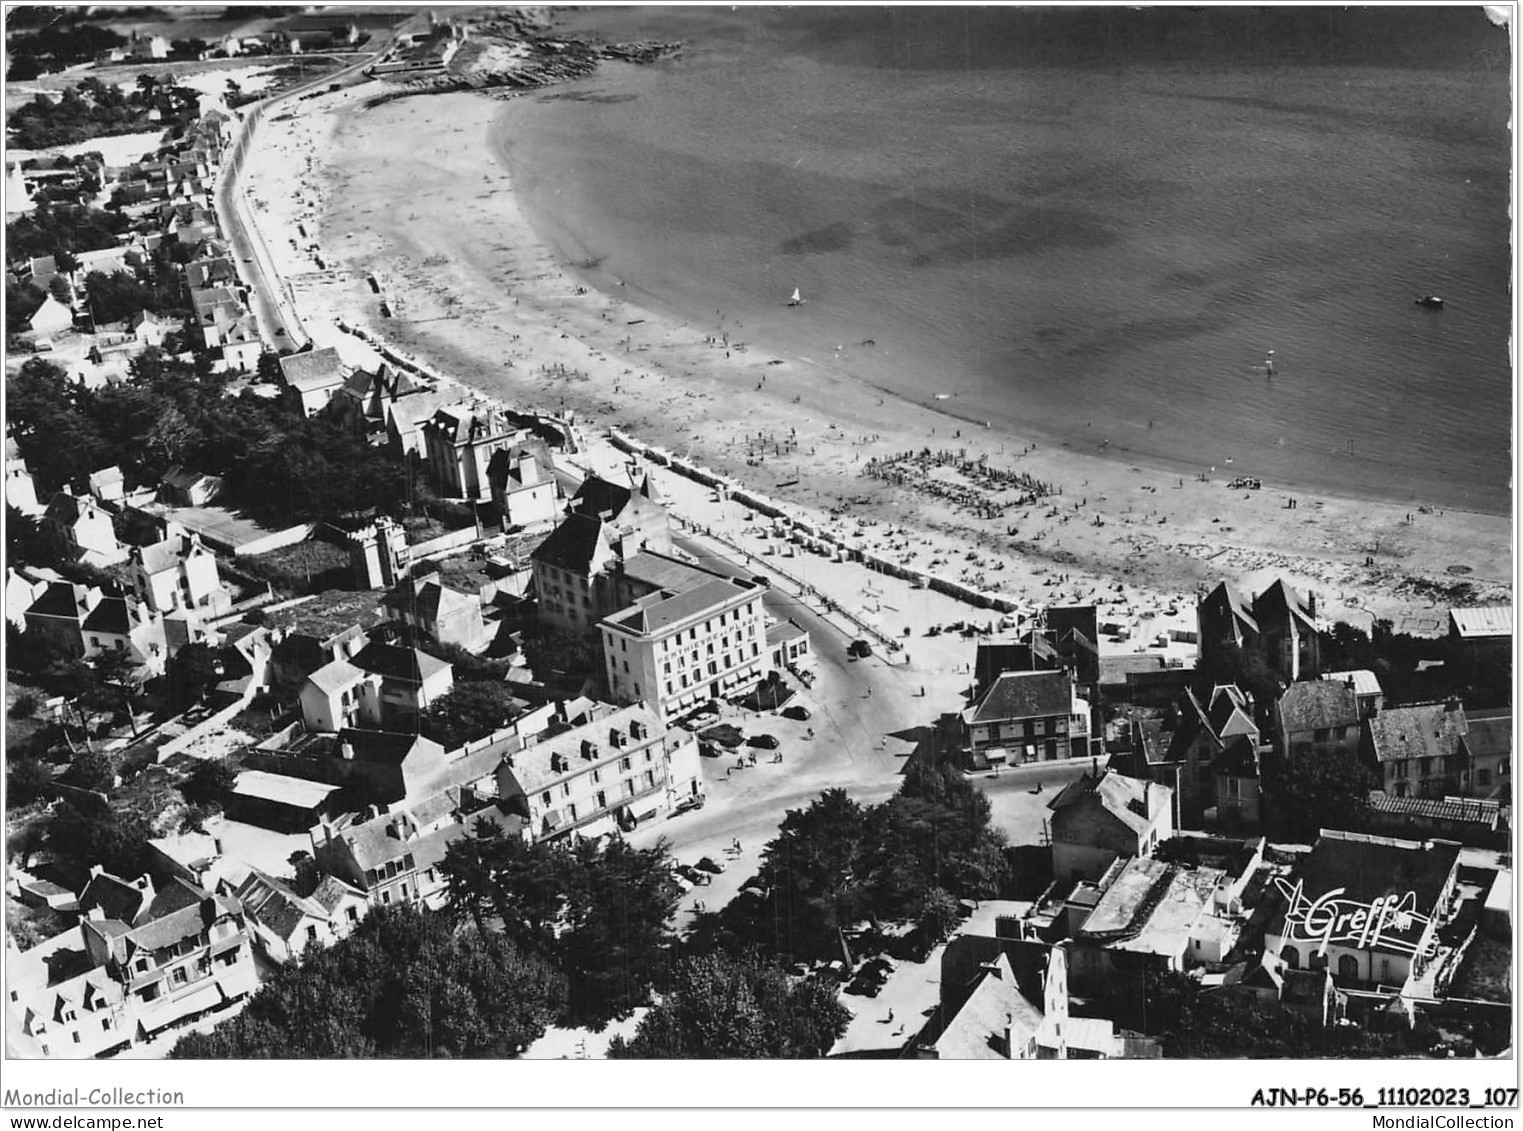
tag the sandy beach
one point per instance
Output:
(416, 193)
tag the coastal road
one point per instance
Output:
(270, 300)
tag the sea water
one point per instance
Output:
(1090, 233)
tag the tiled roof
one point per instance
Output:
(336, 675)
(978, 1030)
(1488, 734)
(160, 556)
(109, 616)
(372, 843)
(66, 508)
(572, 545)
(662, 571)
(332, 892)
(460, 420)
(118, 898)
(281, 789)
(1316, 704)
(1024, 695)
(1364, 682)
(1225, 599)
(390, 747)
(1494, 621)
(533, 767)
(1365, 869)
(429, 599)
(1129, 800)
(391, 661)
(57, 600)
(1447, 809)
(660, 611)
(279, 909)
(1280, 600)
(1429, 731)
(313, 370)
(599, 498)
(1239, 759)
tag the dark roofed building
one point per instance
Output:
(1027, 717)
(1388, 900)
(1487, 747)
(1097, 820)
(1418, 751)
(1317, 719)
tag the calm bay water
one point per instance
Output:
(1087, 232)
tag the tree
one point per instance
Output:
(21, 302)
(939, 915)
(188, 673)
(1309, 794)
(26, 780)
(812, 872)
(467, 712)
(404, 984)
(209, 782)
(88, 831)
(514, 883)
(615, 938)
(722, 1007)
(91, 770)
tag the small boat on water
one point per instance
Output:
(797, 299)
(1433, 302)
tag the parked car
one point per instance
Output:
(798, 712)
(764, 741)
(709, 864)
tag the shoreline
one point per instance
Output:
(416, 192)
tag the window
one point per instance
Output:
(602, 800)
(1291, 957)
(1483, 777)
(105, 1024)
(142, 965)
(544, 798)
(597, 775)
(386, 897)
(1348, 968)
(624, 763)
(179, 976)
(650, 778)
(311, 932)
(354, 915)
(571, 811)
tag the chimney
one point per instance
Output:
(217, 845)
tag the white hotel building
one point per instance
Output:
(674, 650)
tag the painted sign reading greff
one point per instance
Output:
(1391, 922)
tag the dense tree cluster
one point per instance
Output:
(467, 712)
(279, 466)
(598, 914)
(836, 863)
(1197, 1023)
(404, 984)
(722, 1007)
(56, 229)
(59, 42)
(97, 109)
